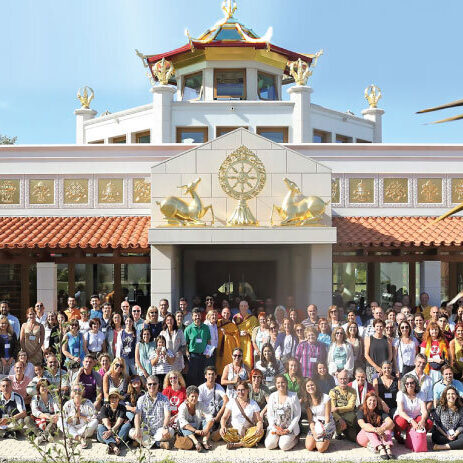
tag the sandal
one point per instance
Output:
(231, 446)
(390, 454)
(206, 445)
(382, 453)
(110, 449)
(199, 447)
(84, 444)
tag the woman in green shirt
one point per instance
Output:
(294, 375)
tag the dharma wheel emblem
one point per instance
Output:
(242, 176)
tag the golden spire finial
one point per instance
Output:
(228, 8)
(301, 71)
(373, 95)
(84, 97)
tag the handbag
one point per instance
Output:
(416, 441)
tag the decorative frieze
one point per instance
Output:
(41, 191)
(10, 191)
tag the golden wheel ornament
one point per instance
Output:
(242, 176)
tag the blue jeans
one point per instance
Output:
(187, 432)
(123, 433)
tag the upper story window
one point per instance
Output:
(275, 134)
(343, 139)
(223, 130)
(230, 84)
(359, 140)
(320, 136)
(192, 134)
(121, 139)
(266, 86)
(143, 137)
(96, 142)
(193, 87)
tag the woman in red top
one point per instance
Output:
(435, 348)
(175, 391)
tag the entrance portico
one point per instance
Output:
(297, 259)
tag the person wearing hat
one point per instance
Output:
(114, 427)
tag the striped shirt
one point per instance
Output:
(309, 355)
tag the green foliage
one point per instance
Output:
(5, 140)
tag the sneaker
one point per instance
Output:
(11, 435)
(164, 445)
(40, 439)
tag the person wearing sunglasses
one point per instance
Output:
(340, 353)
(405, 348)
(138, 322)
(234, 372)
(246, 422)
(152, 322)
(270, 366)
(40, 314)
(116, 377)
(152, 418)
(411, 409)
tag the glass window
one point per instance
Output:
(119, 139)
(392, 281)
(94, 279)
(135, 282)
(223, 130)
(349, 282)
(230, 84)
(192, 134)
(359, 140)
(143, 137)
(192, 87)
(62, 277)
(228, 34)
(276, 134)
(343, 139)
(266, 86)
(320, 136)
(10, 286)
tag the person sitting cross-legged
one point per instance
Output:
(246, 423)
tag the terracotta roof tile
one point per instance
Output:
(74, 232)
(398, 231)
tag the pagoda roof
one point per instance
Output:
(228, 33)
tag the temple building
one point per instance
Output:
(231, 181)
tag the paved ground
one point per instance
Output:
(22, 450)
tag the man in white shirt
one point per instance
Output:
(213, 397)
(40, 314)
(424, 381)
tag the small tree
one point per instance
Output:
(5, 140)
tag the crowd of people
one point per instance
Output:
(162, 378)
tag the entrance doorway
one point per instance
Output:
(254, 280)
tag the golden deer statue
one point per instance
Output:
(178, 212)
(297, 209)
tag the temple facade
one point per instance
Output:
(230, 181)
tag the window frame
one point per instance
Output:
(96, 142)
(267, 129)
(201, 92)
(230, 97)
(118, 140)
(275, 83)
(197, 129)
(343, 137)
(324, 135)
(138, 135)
(228, 128)
(361, 140)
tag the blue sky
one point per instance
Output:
(411, 49)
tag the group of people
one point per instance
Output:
(186, 378)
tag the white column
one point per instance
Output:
(430, 281)
(165, 275)
(375, 115)
(47, 285)
(82, 115)
(251, 84)
(320, 276)
(161, 128)
(208, 82)
(302, 128)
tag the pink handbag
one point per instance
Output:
(416, 441)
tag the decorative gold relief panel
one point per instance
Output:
(361, 190)
(41, 191)
(75, 191)
(141, 191)
(335, 190)
(9, 192)
(110, 190)
(395, 190)
(457, 190)
(429, 190)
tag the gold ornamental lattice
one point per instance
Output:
(242, 176)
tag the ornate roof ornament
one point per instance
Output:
(301, 71)
(163, 70)
(229, 29)
(373, 95)
(85, 95)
